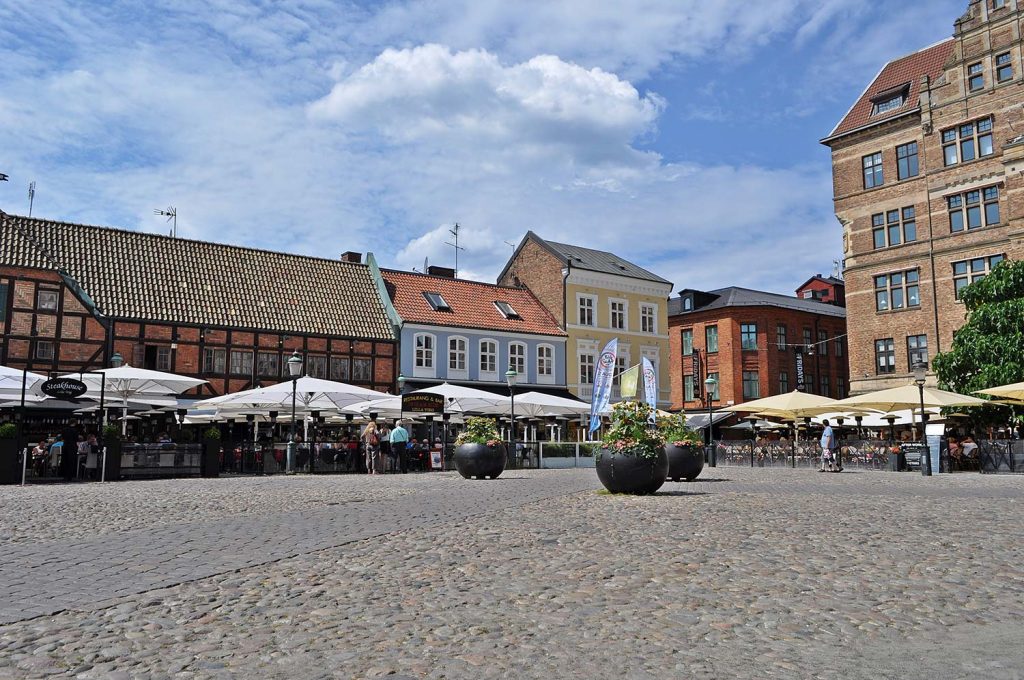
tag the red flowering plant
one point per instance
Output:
(479, 430)
(676, 432)
(631, 432)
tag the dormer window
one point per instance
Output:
(688, 303)
(506, 310)
(437, 302)
(890, 100)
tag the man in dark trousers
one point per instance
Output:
(69, 451)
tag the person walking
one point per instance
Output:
(399, 439)
(371, 445)
(384, 435)
(828, 443)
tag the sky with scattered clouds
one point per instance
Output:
(680, 134)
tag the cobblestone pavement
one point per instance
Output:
(746, 574)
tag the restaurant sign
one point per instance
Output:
(422, 402)
(800, 385)
(63, 388)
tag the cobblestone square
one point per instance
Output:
(767, 573)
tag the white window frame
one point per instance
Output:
(488, 375)
(653, 309)
(580, 297)
(524, 374)
(593, 360)
(424, 370)
(548, 378)
(625, 314)
(458, 373)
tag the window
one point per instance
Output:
(975, 77)
(783, 382)
(617, 311)
(517, 358)
(648, 318)
(917, 350)
(1004, 67)
(897, 291)
(840, 388)
(44, 350)
(998, 4)
(687, 338)
(967, 142)
(488, 356)
(163, 358)
(3, 300)
(890, 100)
(46, 299)
(586, 369)
(823, 343)
(748, 336)
(620, 367)
(424, 355)
(711, 338)
(214, 360)
(973, 209)
(687, 388)
(885, 356)
(807, 339)
(241, 362)
(688, 303)
(362, 370)
(969, 271)
(316, 366)
(824, 386)
(341, 369)
(839, 346)
(267, 365)
(906, 160)
(545, 363)
(780, 337)
(437, 303)
(751, 385)
(809, 384)
(586, 311)
(457, 354)
(507, 311)
(894, 227)
(716, 390)
(873, 170)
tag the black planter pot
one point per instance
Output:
(480, 461)
(684, 462)
(112, 465)
(10, 465)
(209, 464)
(624, 473)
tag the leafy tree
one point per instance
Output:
(989, 349)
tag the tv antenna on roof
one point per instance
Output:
(171, 213)
(454, 231)
(31, 196)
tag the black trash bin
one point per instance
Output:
(10, 462)
(209, 466)
(112, 462)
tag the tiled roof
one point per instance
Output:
(745, 297)
(905, 71)
(471, 302)
(134, 275)
(589, 259)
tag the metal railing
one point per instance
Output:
(558, 455)
(160, 460)
(996, 456)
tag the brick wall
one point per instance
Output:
(541, 272)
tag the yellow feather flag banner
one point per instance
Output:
(628, 380)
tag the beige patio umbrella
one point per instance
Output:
(795, 404)
(1014, 392)
(907, 397)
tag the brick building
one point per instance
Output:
(927, 180)
(71, 295)
(748, 341)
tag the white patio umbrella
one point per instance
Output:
(459, 398)
(11, 379)
(538, 405)
(312, 394)
(388, 407)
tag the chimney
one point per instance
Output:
(446, 272)
(352, 257)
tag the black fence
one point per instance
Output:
(1000, 455)
(160, 460)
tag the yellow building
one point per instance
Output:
(596, 296)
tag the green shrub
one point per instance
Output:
(631, 432)
(111, 432)
(211, 433)
(676, 432)
(8, 431)
(479, 430)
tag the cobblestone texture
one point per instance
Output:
(747, 574)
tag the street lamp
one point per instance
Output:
(510, 377)
(117, 360)
(295, 371)
(709, 386)
(401, 384)
(920, 374)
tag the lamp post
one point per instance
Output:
(709, 386)
(920, 374)
(839, 448)
(268, 454)
(295, 371)
(753, 437)
(313, 444)
(510, 377)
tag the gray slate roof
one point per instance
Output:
(745, 297)
(134, 275)
(599, 261)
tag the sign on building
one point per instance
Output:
(422, 402)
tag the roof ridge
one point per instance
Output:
(449, 278)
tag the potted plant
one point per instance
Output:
(209, 464)
(479, 452)
(9, 460)
(112, 461)
(682, 447)
(632, 456)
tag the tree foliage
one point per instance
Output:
(989, 350)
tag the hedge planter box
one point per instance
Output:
(480, 461)
(10, 463)
(684, 462)
(626, 473)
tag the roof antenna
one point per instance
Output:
(454, 231)
(836, 271)
(512, 246)
(170, 213)
(31, 196)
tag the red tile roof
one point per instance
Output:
(897, 73)
(471, 302)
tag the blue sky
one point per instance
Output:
(682, 134)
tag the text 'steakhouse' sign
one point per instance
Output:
(422, 402)
(63, 388)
